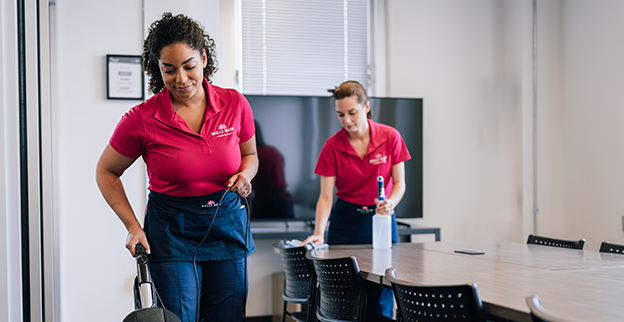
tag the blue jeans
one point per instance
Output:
(353, 224)
(379, 299)
(221, 289)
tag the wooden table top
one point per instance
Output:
(575, 285)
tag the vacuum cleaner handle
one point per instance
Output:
(141, 258)
(143, 278)
(145, 308)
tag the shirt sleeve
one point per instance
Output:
(127, 139)
(248, 128)
(399, 149)
(326, 164)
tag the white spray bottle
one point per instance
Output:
(382, 224)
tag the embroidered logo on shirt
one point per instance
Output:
(379, 159)
(210, 204)
(222, 130)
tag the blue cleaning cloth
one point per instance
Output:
(309, 245)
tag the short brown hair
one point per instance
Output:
(352, 88)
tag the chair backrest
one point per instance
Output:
(538, 313)
(436, 303)
(607, 247)
(297, 277)
(545, 241)
(341, 294)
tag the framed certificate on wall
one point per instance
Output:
(124, 77)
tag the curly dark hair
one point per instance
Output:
(170, 30)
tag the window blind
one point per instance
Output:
(303, 47)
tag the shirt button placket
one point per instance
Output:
(202, 144)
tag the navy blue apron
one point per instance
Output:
(350, 223)
(175, 225)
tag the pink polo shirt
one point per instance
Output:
(356, 178)
(179, 161)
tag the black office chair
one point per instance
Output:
(340, 296)
(436, 303)
(297, 282)
(607, 247)
(545, 241)
(539, 313)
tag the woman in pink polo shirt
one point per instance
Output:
(198, 143)
(351, 160)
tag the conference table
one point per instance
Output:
(575, 285)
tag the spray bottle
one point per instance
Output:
(382, 224)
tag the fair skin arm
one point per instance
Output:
(386, 207)
(109, 169)
(323, 209)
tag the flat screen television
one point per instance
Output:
(290, 132)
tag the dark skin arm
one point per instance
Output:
(108, 171)
(241, 181)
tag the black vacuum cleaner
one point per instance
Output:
(144, 300)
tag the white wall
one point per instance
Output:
(591, 122)
(96, 270)
(468, 60)
(550, 119)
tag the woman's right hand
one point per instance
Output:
(317, 239)
(136, 236)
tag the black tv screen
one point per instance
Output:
(290, 132)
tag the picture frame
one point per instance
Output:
(125, 79)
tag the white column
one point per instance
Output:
(10, 259)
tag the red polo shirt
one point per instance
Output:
(179, 161)
(356, 178)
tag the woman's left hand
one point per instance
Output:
(240, 184)
(384, 207)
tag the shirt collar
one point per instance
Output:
(164, 111)
(375, 140)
